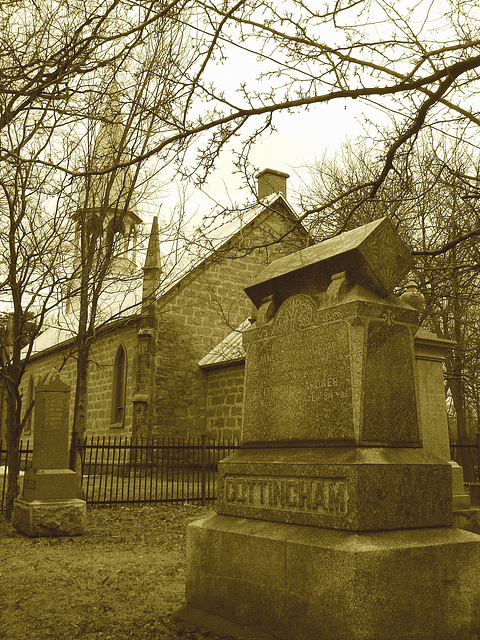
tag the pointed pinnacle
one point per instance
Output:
(152, 260)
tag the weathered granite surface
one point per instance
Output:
(304, 583)
(333, 521)
(430, 353)
(49, 484)
(374, 255)
(44, 518)
(356, 489)
(342, 374)
(52, 398)
(331, 391)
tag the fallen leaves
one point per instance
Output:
(121, 580)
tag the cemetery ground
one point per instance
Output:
(122, 579)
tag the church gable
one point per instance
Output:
(144, 377)
(201, 309)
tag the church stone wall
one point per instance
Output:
(191, 322)
(100, 382)
(100, 379)
(225, 401)
(199, 313)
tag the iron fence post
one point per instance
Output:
(204, 468)
(478, 456)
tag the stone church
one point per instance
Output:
(171, 362)
(175, 365)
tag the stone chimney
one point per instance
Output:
(271, 181)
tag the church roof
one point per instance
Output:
(62, 328)
(229, 351)
(216, 237)
(53, 335)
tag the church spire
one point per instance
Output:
(145, 386)
(107, 209)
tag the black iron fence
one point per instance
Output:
(145, 470)
(467, 454)
(122, 470)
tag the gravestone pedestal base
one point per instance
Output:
(345, 488)
(468, 519)
(44, 518)
(298, 583)
(460, 498)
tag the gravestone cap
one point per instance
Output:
(52, 382)
(373, 255)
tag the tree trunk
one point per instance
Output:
(80, 405)
(13, 455)
(80, 410)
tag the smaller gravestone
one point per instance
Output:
(49, 506)
(430, 354)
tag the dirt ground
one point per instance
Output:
(122, 579)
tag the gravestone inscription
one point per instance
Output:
(299, 370)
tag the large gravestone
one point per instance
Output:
(333, 521)
(49, 506)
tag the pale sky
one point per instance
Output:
(299, 139)
(300, 136)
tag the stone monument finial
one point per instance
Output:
(373, 256)
(413, 296)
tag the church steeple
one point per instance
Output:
(112, 191)
(108, 199)
(106, 219)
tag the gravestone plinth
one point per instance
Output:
(49, 506)
(332, 518)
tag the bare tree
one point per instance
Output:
(68, 208)
(431, 203)
(32, 273)
(416, 62)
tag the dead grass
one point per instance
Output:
(122, 579)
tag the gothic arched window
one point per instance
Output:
(119, 387)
